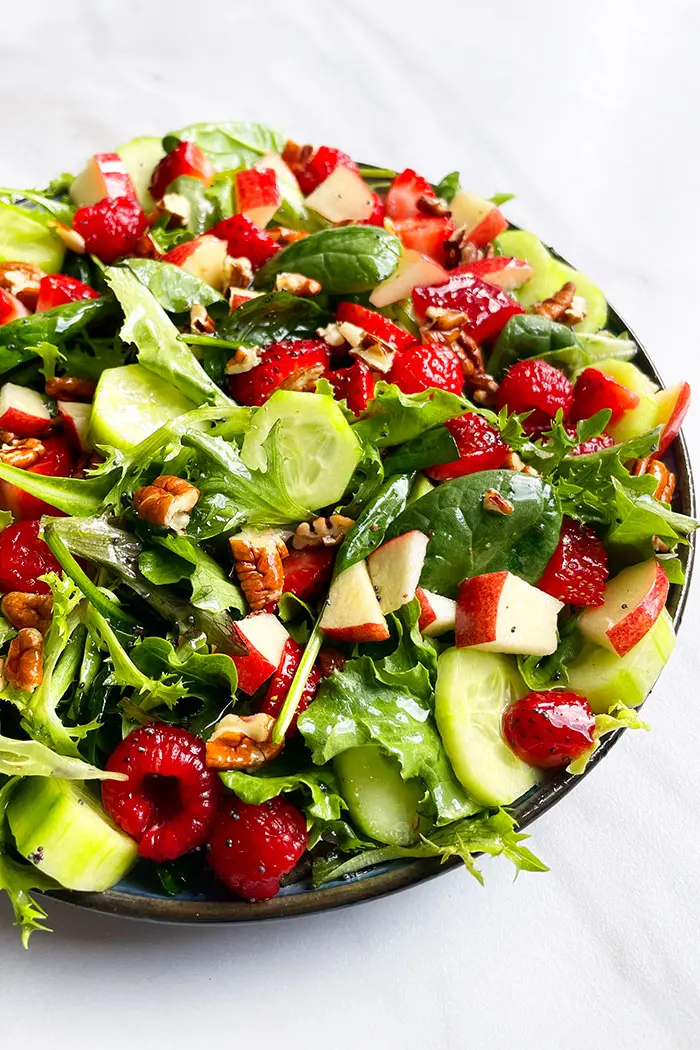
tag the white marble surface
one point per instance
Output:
(589, 112)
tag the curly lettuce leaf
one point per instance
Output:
(210, 676)
(31, 758)
(392, 418)
(177, 558)
(318, 788)
(619, 716)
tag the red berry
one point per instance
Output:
(594, 444)
(57, 289)
(308, 572)
(537, 385)
(278, 362)
(24, 558)
(487, 307)
(282, 679)
(11, 309)
(479, 445)
(252, 847)
(58, 461)
(403, 197)
(246, 239)
(168, 804)
(320, 165)
(377, 216)
(549, 729)
(422, 367)
(595, 391)
(185, 159)
(577, 571)
(426, 235)
(375, 324)
(111, 228)
(354, 384)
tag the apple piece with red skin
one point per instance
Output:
(75, 416)
(501, 271)
(257, 195)
(104, 176)
(265, 639)
(23, 411)
(204, 257)
(351, 612)
(395, 569)
(480, 218)
(58, 461)
(414, 271)
(500, 613)
(11, 309)
(673, 405)
(426, 235)
(186, 159)
(343, 197)
(632, 603)
(239, 296)
(437, 614)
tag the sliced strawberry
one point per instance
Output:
(185, 159)
(594, 444)
(244, 238)
(281, 681)
(422, 367)
(595, 391)
(308, 572)
(377, 216)
(279, 361)
(549, 729)
(487, 308)
(58, 461)
(354, 384)
(57, 289)
(375, 324)
(405, 194)
(11, 309)
(480, 447)
(577, 571)
(111, 228)
(24, 558)
(535, 385)
(320, 165)
(426, 235)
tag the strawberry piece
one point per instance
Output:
(24, 558)
(246, 239)
(577, 571)
(549, 729)
(320, 165)
(377, 216)
(535, 385)
(375, 324)
(487, 307)
(480, 447)
(111, 228)
(252, 847)
(57, 289)
(595, 391)
(403, 197)
(58, 461)
(355, 384)
(168, 804)
(281, 681)
(11, 309)
(308, 572)
(422, 367)
(185, 159)
(594, 444)
(279, 362)
(427, 236)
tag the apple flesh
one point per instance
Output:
(632, 603)
(23, 411)
(11, 309)
(437, 614)
(414, 271)
(395, 569)
(501, 271)
(343, 197)
(672, 405)
(204, 257)
(480, 218)
(76, 423)
(104, 176)
(265, 638)
(500, 613)
(257, 195)
(239, 296)
(352, 612)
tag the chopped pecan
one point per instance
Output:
(24, 666)
(297, 284)
(331, 335)
(70, 388)
(496, 503)
(481, 386)
(576, 312)
(376, 354)
(296, 157)
(200, 321)
(245, 358)
(167, 501)
(514, 462)
(242, 742)
(304, 379)
(445, 320)
(431, 205)
(283, 236)
(72, 240)
(238, 273)
(557, 305)
(327, 532)
(258, 557)
(21, 452)
(174, 207)
(28, 610)
(665, 478)
(460, 250)
(21, 279)
(659, 546)
(146, 248)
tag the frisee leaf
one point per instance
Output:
(619, 716)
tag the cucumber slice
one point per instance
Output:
(24, 238)
(523, 245)
(130, 403)
(643, 417)
(606, 679)
(471, 692)
(319, 450)
(62, 829)
(381, 803)
(140, 157)
(627, 374)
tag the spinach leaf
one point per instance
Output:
(370, 528)
(549, 672)
(210, 676)
(54, 326)
(346, 259)
(427, 450)
(466, 540)
(203, 210)
(528, 335)
(270, 318)
(392, 418)
(234, 144)
(317, 786)
(448, 186)
(173, 288)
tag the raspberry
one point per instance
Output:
(281, 681)
(537, 385)
(322, 164)
(111, 228)
(24, 558)
(279, 361)
(185, 159)
(577, 571)
(594, 444)
(479, 445)
(424, 366)
(246, 239)
(595, 391)
(168, 804)
(252, 847)
(549, 729)
(308, 572)
(354, 385)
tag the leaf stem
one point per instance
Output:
(299, 681)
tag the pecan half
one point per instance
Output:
(200, 321)
(24, 666)
(435, 206)
(28, 610)
(304, 379)
(238, 272)
(167, 501)
(376, 354)
(70, 388)
(245, 358)
(297, 284)
(494, 502)
(327, 532)
(460, 250)
(559, 306)
(242, 742)
(21, 452)
(258, 557)
(21, 279)
(665, 478)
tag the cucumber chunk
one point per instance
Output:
(606, 679)
(140, 157)
(130, 403)
(471, 692)
(24, 238)
(318, 449)
(62, 829)
(641, 418)
(381, 803)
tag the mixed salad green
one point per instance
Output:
(334, 521)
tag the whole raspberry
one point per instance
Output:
(549, 729)
(535, 384)
(111, 228)
(423, 366)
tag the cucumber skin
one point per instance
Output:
(381, 803)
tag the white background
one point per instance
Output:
(589, 112)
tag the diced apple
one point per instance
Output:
(265, 638)
(500, 613)
(481, 219)
(414, 271)
(501, 271)
(76, 423)
(205, 257)
(437, 614)
(104, 176)
(257, 195)
(239, 296)
(352, 612)
(672, 408)
(395, 569)
(343, 197)
(11, 309)
(23, 411)
(632, 603)
(286, 179)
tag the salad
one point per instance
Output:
(334, 521)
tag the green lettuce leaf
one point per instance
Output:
(619, 716)
(18, 879)
(31, 758)
(177, 558)
(210, 676)
(173, 288)
(318, 788)
(392, 418)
